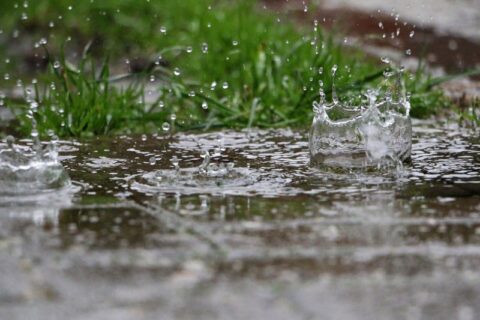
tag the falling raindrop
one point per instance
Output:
(166, 126)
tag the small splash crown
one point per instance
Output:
(375, 130)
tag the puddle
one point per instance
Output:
(284, 239)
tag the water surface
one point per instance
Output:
(274, 238)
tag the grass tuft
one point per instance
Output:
(214, 64)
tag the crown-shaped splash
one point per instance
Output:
(372, 130)
(33, 168)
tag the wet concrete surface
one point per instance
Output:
(293, 242)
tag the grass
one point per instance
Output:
(469, 113)
(208, 64)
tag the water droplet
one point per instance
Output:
(177, 72)
(175, 161)
(204, 105)
(10, 140)
(166, 126)
(205, 47)
(225, 85)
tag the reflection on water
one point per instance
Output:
(294, 243)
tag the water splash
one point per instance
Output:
(31, 169)
(217, 174)
(378, 132)
(27, 170)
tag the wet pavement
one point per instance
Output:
(271, 237)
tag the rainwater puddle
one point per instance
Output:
(260, 234)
